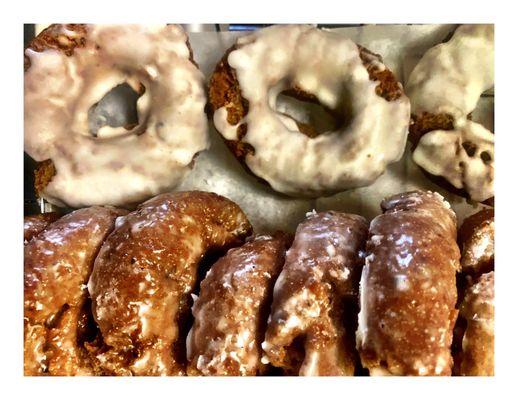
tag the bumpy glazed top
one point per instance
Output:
(449, 80)
(57, 264)
(451, 76)
(477, 242)
(478, 309)
(408, 290)
(321, 271)
(146, 269)
(231, 311)
(34, 224)
(58, 261)
(464, 156)
(328, 66)
(69, 68)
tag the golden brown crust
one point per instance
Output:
(308, 333)
(476, 240)
(57, 264)
(34, 224)
(143, 277)
(408, 288)
(427, 122)
(477, 309)
(224, 91)
(231, 311)
(43, 174)
(388, 87)
(56, 37)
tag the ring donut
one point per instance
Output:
(477, 310)
(57, 264)
(68, 69)
(231, 311)
(444, 89)
(316, 66)
(145, 272)
(407, 289)
(309, 330)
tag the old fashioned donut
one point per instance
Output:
(231, 311)
(145, 272)
(309, 332)
(57, 265)
(34, 224)
(477, 310)
(317, 66)
(408, 290)
(68, 69)
(444, 89)
(477, 242)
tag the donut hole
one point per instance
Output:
(311, 117)
(117, 108)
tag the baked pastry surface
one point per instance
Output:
(370, 110)
(68, 71)
(408, 287)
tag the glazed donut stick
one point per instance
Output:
(231, 312)
(477, 242)
(478, 311)
(306, 332)
(57, 265)
(144, 274)
(34, 224)
(407, 289)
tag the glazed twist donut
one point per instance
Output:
(57, 264)
(231, 311)
(407, 289)
(317, 66)
(68, 69)
(306, 333)
(444, 89)
(145, 272)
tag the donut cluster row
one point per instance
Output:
(69, 68)
(109, 292)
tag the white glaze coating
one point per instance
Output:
(325, 64)
(441, 153)
(451, 76)
(449, 79)
(119, 166)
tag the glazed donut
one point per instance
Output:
(57, 264)
(34, 224)
(407, 289)
(318, 66)
(68, 69)
(231, 311)
(306, 332)
(478, 312)
(444, 89)
(145, 272)
(477, 242)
